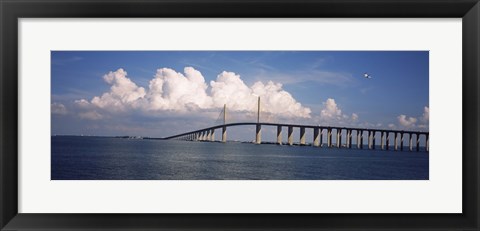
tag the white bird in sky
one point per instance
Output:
(366, 75)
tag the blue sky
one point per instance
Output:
(160, 93)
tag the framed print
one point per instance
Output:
(239, 115)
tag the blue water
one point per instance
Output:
(100, 158)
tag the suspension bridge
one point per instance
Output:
(319, 134)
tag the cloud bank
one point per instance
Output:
(171, 94)
(171, 91)
(58, 109)
(412, 122)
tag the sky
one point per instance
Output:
(163, 93)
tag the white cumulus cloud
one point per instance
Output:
(354, 117)
(412, 122)
(170, 90)
(426, 114)
(123, 92)
(230, 89)
(331, 110)
(406, 121)
(331, 114)
(58, 109)
(188, 92)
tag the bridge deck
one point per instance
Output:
(294, 125)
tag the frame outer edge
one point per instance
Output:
(477, 6)
(476, 154)
(471, 112)
(2, 162)
(8, 114)
(8, 210)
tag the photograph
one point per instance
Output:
(239, 115)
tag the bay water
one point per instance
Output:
(109, 158)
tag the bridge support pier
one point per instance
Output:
(426, 142)
(382, 137)
(347, 140)
(290, 135)
(279, 134)
(224, 134)
(208, 135)
(350, 138)
(212, 135)
(410, 145)
(302, 135)
(316, 137)
(358, 139)
(401, 141)
(373, 139)
(388, 141)
(258, 137)
(339, 137)
(370, 139)
(418, 141)
(395, 141)
(321, 137)
(329, 137)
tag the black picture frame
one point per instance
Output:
(12, 10)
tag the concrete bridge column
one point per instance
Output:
(329, 137)
(258, 137)
(426, 142)
(418, 141)
(358, 139)
(321, 137)
(339, 137)
(224, 134)
(212, 135)
(347, 140)
(369, 139)
(410, 146)
(279, 134)
(373, 140)
(350, 138)
(208, 135)
(382, 137)
(290, 135)
(395, 141)
(302, 135)
(388, 141)
(401, 141)
(316, 137)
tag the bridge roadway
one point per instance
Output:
(208, 134)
